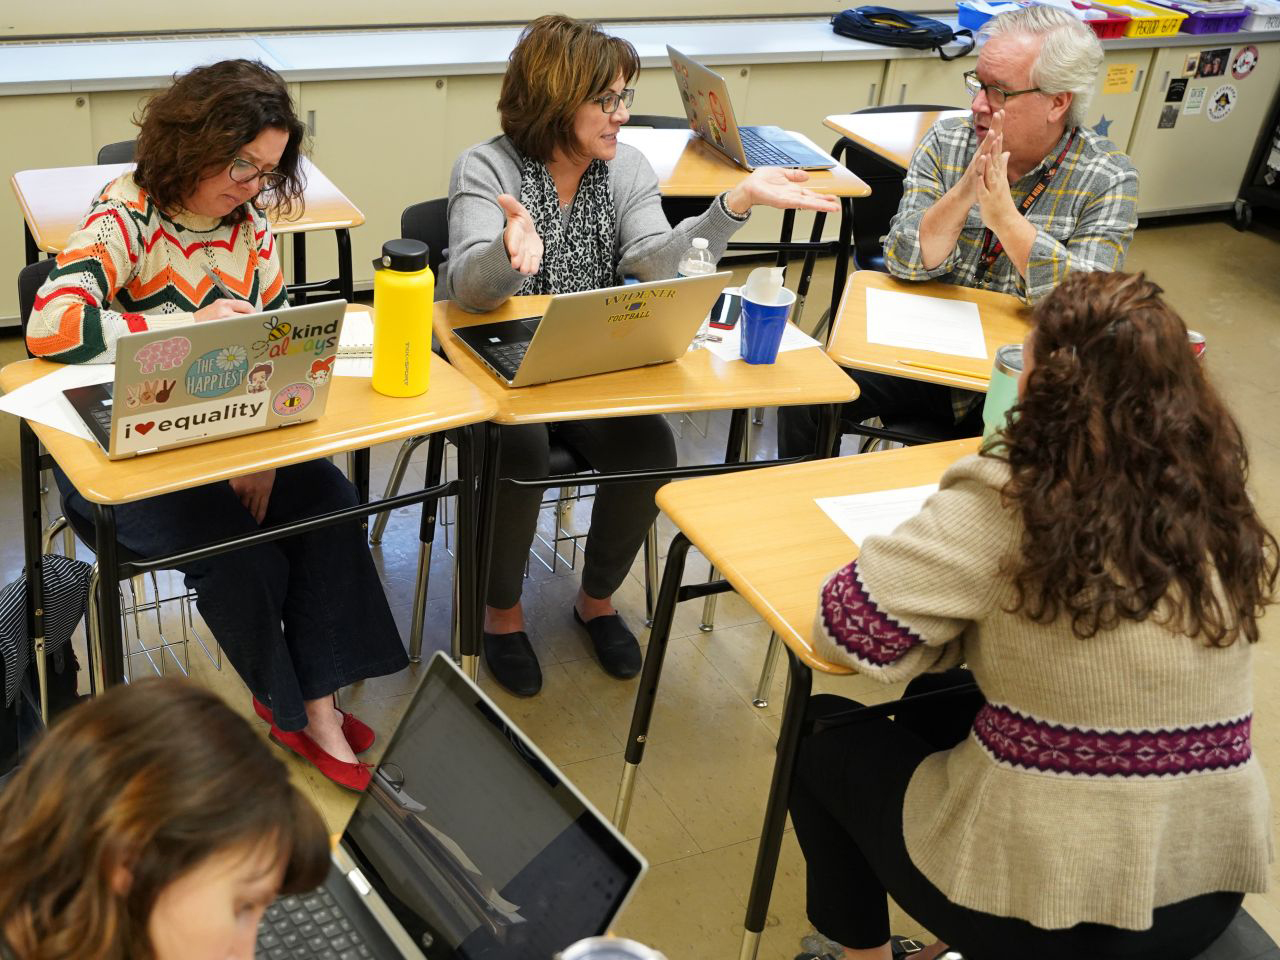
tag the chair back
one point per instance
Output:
(675, 208)
(872, 214)
(428, 221)
(658, 122)
(30, 279)
(121, 152)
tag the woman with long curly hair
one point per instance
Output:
(120, 842)
(306, 615)
(1101, 569)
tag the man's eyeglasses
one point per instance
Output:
(242, 171)
(609, 101)
(996, 96)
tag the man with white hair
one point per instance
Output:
(1010, 198)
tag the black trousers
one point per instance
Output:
(846, 805)
(620, 517)
(879, 395)
(299, 617)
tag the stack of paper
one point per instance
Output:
(43, 400)
(916, 322)
(859, 515)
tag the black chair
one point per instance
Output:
(30, 279)
(676, 208)
(121, 152)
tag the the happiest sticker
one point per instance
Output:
(217, 372)
(162, 354)
(293, 399)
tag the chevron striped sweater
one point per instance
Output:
(131, 267)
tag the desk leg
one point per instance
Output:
(426, 539)
(29, 244)
(299, 241)
(474, 526)
(799, 682)
(828, 429)
(842, 260)
(33, 556)
(788, 227)
(346, 279)
(111, 640)
(735, 452)
(360, 476)
(647, 692)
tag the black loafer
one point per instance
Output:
(616, 647)
(511, 660)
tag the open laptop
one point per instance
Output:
(468, 844)
(184, 385)
(596, 331)
(706, 102)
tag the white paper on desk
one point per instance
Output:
(730, 345)
(859, 515)
(925, 323)
(353, 367)
(42, 400)
(357, 336)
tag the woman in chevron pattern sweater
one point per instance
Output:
(300, 617)
(1101, 572)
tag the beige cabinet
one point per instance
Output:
(1118, 93)
(927, 80)
(1199, 161)
(46, 130)
(382, 143)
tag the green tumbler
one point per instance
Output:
(1002, 394)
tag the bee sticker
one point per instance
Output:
(277, 330)
(293, 399)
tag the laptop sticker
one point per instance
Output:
(194, 421)
(259, 377)
(217, 372)
(148, 392)
(277, 329)
(293, 399)
(162, 354)
(321, 370)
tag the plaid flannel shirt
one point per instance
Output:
(1084, 220)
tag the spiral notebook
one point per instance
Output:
(357, 334)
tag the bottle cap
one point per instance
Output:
(700, 243)
(405, 256)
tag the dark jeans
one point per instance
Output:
(846, 805)
(879, 395)
(298, 618)
(620, 517)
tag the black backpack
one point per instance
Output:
(894, 28)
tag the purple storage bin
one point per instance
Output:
(1202, 22)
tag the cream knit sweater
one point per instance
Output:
(1106, 777)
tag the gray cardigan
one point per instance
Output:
(480, 276)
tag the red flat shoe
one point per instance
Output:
(360, 735)
(353, 776)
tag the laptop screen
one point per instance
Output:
(477, 844)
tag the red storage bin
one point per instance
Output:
(1108, 29)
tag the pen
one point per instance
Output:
(213, 278)
(951, 370)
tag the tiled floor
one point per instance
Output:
(700, 798)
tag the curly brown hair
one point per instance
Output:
(153, 778)
(1130, 472)
(200, 123)
(557, 65)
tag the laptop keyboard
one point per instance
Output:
(312, 926)
(760, 152)
(506, 357)
(102, 417)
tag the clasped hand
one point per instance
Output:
(986, 180)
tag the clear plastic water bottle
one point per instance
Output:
(697, 262)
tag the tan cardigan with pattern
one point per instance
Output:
(1106, 777)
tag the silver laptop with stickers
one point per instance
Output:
(191, 384)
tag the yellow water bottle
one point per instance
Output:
(403, 289)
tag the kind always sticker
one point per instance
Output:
(196, 421)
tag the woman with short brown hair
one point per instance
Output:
(557, 205)
(303, 616)
(1101, 569)
(121, 839)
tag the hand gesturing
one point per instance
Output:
(523, 244)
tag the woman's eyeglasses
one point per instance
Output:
(996, 96)
(242, 171)
(609, 101)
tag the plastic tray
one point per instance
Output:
(1162, 22)
(1207, 21)
(1108, 29)
(973, 19)
(1261, 21)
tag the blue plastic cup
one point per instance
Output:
(762, 326)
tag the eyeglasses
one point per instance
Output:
(609, 101)
(996, 96)
(242, 171)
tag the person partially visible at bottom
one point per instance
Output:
(151, 822)
(1101, 569)
(303, 616)
(558, 204)
(1012, 198)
